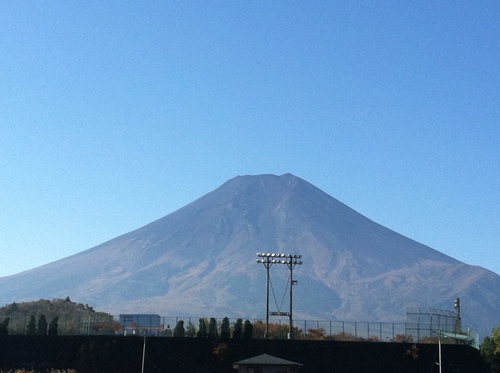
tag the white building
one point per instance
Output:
(140, 322)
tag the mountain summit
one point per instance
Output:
(200, 261)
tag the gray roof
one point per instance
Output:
(265, 359)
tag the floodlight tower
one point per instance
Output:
(291, 260)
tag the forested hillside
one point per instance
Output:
(57, 316)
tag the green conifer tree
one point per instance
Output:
(4, 326)
(202, 331)
(247, 330)
(179, 329)
(42, 325)
(31, 327)
(212, 328)
(224, 328)
(53, 326)
(238, 329)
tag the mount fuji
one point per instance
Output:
(201, 260)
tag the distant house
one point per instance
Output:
(140, 321)
(266, 364)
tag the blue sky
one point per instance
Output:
(114, 114)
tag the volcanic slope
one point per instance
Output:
(201, 261)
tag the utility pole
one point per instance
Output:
(439, 349)
(291, 265)
(267, 264)
(143, 353)
(458, 322)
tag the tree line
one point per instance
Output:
(34, 328)
(240, 330)
(51, 317)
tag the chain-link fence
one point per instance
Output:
(279, 328)
(318, 330)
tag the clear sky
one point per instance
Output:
(116, 113)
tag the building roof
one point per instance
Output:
(265, 359)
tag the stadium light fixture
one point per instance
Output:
(291, 260)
